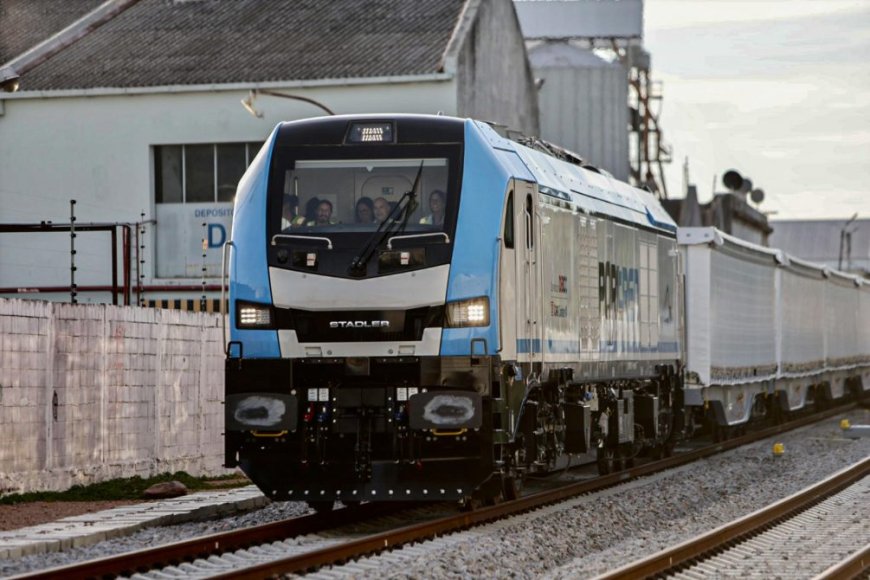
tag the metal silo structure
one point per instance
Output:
(584, 104)
(608, 109)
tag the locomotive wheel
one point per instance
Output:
(490, 492)
(662, 450)
(605, 461)
(471, 503)
(511, 488)
(321, 507)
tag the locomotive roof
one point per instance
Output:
(585, 188)
(570, 185)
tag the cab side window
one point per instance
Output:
(509, 222)
(530, 218)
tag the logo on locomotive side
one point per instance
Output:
(359, 324)
(559, 285)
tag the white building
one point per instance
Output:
(133, 108)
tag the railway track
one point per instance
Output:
(818, 532)
(221, 543)
(275, 548)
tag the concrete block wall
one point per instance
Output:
(94, 392)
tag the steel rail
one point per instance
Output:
(706, 545)
(151, 558)
(852, 567)
(205, 546)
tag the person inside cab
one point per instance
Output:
(323, 215)
(382, 209)
(436, 207)
(365, 211)
(290, 212)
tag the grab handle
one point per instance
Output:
(224, 306)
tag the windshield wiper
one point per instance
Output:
(394, 224)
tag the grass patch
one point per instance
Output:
(124, 489)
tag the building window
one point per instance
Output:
(232, 160)
(167, 161)
(194, 188)
(200, 173)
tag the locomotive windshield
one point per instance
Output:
(355, 212)
(322, 197)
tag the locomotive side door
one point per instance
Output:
(508, 292)
(529, 326)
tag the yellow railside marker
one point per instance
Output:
(778, 449)
(844, 424)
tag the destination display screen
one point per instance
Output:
(370, 133)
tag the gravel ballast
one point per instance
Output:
(590, 535)
(578, 538)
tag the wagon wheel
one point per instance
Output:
(510, 487)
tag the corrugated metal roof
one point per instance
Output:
(819, 241)
(25, 23)
(165, 42)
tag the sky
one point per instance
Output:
(777, 89)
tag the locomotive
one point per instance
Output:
(421, 308)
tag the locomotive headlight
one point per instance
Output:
(249, 315)
(470, 312)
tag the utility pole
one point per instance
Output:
(846, 242)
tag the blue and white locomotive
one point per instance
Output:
(423, 309)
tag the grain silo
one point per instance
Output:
(597, 96)
(583, 104)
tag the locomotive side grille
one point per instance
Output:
(361, 325)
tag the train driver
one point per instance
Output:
(323, 217)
